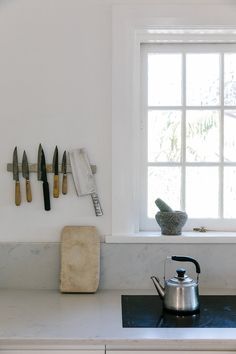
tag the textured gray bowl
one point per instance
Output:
(171, 222)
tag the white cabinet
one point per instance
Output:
(46, 351)
(40, 351)
(74, 351)
(167, 352)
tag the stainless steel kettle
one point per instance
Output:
(180, 294)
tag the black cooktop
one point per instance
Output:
(145, 311)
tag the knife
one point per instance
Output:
(16, 178)
(64, 171)
(43, 174)
(56, 176)
(83, 177)
(25, 173)
(39, 162)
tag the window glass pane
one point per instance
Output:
(164, 136)
(164, 79)
(164, 183)
(202, 79)
(230, 136)
(230, 79)
(202, 136)
(230, 192)
(202, 192)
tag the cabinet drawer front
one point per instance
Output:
(168, 352)
(46, 351)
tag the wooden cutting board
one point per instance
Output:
(80, 259)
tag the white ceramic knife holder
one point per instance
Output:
(33, 167)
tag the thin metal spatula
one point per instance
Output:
(83, 177)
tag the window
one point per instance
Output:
(160, 24)
(188, 151)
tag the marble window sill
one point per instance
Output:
(186, 237)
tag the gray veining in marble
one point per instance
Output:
(29, 265)
(123, 266)
(130, 266)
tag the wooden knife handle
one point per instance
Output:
(56, 186)
(46, 196)
(17, 193)
(64, 184)
(28, 191)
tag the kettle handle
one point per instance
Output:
(187, 259)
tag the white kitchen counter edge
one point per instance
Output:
(186, 237)
(125, 345)
(32, 319)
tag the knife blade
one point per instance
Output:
(43, 174)
(25, 173)
(56, 176)
(16, 178)
(39, 162)
(83, 177)
(64, 171)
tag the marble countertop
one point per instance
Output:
(55, 320)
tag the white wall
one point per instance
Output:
(55, 88)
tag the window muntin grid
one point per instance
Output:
(216, 110)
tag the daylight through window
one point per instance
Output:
(189, 130)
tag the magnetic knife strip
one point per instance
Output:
(41, 168)
(33, 167)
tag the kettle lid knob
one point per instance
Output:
(181, 272)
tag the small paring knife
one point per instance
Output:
(64, 171)
(16, 178)
(25, 173)
(56, 175)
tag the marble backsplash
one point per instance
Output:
(123, 266)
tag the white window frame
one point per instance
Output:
(208, 223)
(131, 26)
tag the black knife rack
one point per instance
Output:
(33, 167)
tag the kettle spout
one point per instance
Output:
(158, 286)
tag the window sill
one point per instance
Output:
(186, 237)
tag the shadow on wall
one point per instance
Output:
(4, 3)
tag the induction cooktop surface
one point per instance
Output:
(145, 311)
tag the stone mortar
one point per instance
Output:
(171, 222)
